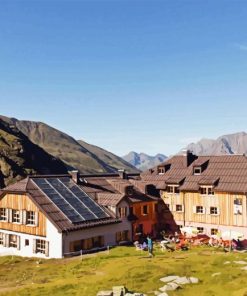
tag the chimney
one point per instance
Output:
(122, 174)
(188, 157)
(75, 176)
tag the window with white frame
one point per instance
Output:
(199, 210)
(16, 217)
(3, 214)
(161, 170)
(172, 189)
(122, 212)
(214, 211)
(197, 170)
(200, 229)
(40, 246)
(13, 241)
(179, 208)
(207, 190)
(1, 239)
(31, 218)
(214, 231)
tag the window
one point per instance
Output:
(172, 189)
(214, 231)
(13, 241)
(213, 211)
(1, 239)
(161, 170)
(199, 210)
(197, 170)
(200, 229)
(3, 214)
(31, 218)
(210, 191)
(206, 190)
(40, 246)
(179, 208)
(16, 217)
(122, 236)
(26, 242)
(145, 210)
(122, 212)
(238, 201)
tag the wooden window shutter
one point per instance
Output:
(47, 249)
(203, 210)
(34, 246)
(6, 240)
(24, 217)
(36, 219)
(182, 208)
(218, 211)
(194, 209)
(208, 210)
(21, 216)
(18, 242)
(7, 215)
(10, 217)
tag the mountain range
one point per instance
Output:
(143, 161)
(228, 144)
(68, 152)
(20, 157)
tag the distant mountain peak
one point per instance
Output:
(143, 161)
(235, 143)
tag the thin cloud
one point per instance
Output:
(240, 46)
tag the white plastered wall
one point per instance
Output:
(53, 237)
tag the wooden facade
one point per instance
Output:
(23, 202)
(223, 201)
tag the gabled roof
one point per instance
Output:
(227, 173)
(61, 204)
(109, 191)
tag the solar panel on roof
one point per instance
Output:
(70, 199)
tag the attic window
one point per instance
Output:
(161, 170)
(206, 190)
(129, 190)
(197, 170)
(172, 189)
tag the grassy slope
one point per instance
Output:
(74, 154)
(124, 265)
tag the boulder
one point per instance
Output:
(194, 280)
(163, 294)
(244, 268)
(227, 262)
(169, 278)
(172, 286)
(182, 281)
(118, 290)
(105, 293)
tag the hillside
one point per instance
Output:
(143, 161)
(227, 144)
(20, 157)
(76, 154)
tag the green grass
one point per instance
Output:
(124, 266)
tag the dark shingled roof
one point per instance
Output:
(227, 173)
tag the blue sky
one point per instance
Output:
(148, 76)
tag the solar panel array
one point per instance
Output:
(70, 199)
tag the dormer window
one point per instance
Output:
(161, 170)
(197, 171)
(206, 190)
(172, 189)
